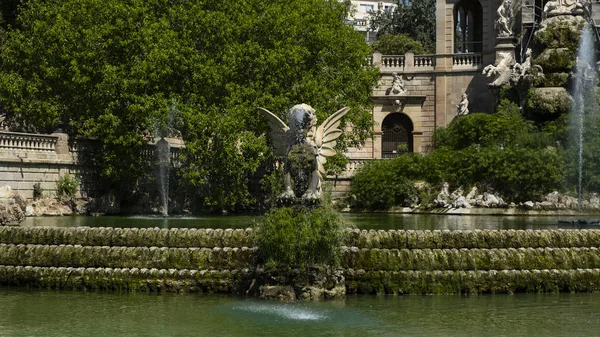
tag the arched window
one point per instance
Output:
(468, 27)
(396, 135)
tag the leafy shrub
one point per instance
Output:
(504, 128)
(503, 152)
(37, 190)
(386, 183)
(297, 237)
(66, 186)
(397, 44)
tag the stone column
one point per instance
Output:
(376, 58)
(62, 146)
(409, 61)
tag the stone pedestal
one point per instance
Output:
(62, 145)
(505, 45)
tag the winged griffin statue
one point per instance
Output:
(305, 148)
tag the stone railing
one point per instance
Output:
(410, 63)
(427, 61)
(404, 63)
(354, 165)
(148, 154)
(392, 61)
(467, 60)
(26, 141)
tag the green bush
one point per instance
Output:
(397, 44)
(37, 190)
(291, 237)
(501, 152)
(386, 183)
(66, 186)
(504, 128)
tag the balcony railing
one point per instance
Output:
(352, 167)
(467, 60)
(424, 61)
(407, 62)
(26, 141)
(392, 61)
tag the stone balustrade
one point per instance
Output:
(410, 63)
(27, 141)
(404, 63)
(424, 61)
(354, 165)
(467, 60)
(392, 61)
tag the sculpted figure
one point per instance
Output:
(463, 106)
(502, 71)
(506, 18)
(305, 148)
(522, 71)
(397, 85)
(549, 7)
(567, 7)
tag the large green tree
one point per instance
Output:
(415, 19)
(114, 70)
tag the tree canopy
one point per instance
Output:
(117, 70)
(397, 44)
(415, 19)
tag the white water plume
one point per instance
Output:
(286, 311)
(585, 80)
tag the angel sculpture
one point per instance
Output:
(305, 148)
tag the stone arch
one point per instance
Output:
(468, 27)
(396, 135)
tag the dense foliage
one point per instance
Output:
(117, 71)
(502, 152)
(415, 19)
(299, 237)
(397, 44)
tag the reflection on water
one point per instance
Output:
(55, 313)
(362, 221)
(461, 222)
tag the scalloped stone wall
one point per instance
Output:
(392, 262)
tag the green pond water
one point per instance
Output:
(32, 312)
(362, 221)
(26, 312)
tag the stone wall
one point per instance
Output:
(393, 262)
(27, 159)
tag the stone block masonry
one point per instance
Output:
(28, 159)
(391, 262)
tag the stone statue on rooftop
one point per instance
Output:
(305, 148)
(506, 19)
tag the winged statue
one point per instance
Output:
(305, 148)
